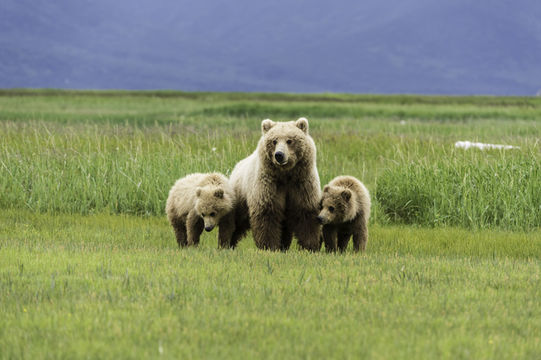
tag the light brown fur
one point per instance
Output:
(344, 212)
(201, 201)
(279, 198)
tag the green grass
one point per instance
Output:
(116, 286)
(89, 267)
(119, 152)
(474, 189)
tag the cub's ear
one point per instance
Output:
(266, 125)
(346, 195)
(302, 124)
(219, 194)
(198, 192)
(326, 188)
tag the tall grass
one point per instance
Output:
(112, 169)
(473, 189)
(119, 152)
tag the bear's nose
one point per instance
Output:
(209, 228)
(320, 219)
(279, 156)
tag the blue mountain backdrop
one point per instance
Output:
(370, 46)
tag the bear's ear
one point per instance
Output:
(198, 192)
(302, 124)
(326, 188)
(346, 195)
(266, 125)
(219, 194)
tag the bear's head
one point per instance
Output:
(212, 204)
(335, 205)
(284, 144)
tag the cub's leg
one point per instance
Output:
(330, 238)
(226, 228)
(360, 235)
(343, 240)
(194, 227)
(180, 231)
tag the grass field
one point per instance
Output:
(89, 267)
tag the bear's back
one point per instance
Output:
(214, 180)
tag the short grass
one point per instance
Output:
(89, 267)
(105, 286)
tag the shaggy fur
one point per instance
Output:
(345, 209)
(278, 189)
(201, 201)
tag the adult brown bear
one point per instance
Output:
(277, 188)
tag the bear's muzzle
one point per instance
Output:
(280, 157)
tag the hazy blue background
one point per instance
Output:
(369, 46)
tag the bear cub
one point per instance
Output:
(344, 212)
(201, 201)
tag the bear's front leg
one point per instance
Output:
(194, 227)
(242, 223)
(330, 238)
(240, 230)
(303, 205)
(287, 236)
(266, 208)
(226, 227)
(308, 232)
(266, 227)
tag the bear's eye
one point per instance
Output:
(274, 142)
(331, 209)
(212, 214)
(289, 142)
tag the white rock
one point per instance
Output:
(482, 146)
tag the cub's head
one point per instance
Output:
(284, 144)
(335, 204)
(212, 204)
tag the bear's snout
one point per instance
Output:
(321, 219)
(209, 228)
(279, 156)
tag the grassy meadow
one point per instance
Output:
(89, 267)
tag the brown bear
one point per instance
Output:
(344, 211)
(201, 201)
(278, 189)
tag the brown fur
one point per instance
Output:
(201, 201)
(279, 199)
(344, 212)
